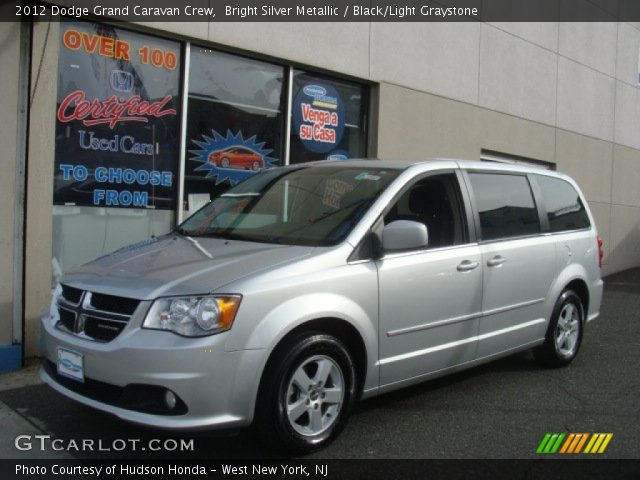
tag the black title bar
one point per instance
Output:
(302, 469)
(326, 10)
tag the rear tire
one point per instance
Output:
(564, 335)
(306, 394)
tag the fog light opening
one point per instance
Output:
(170, 399)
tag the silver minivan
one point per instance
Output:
(308, 287)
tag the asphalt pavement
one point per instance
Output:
(498, 410)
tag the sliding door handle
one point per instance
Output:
(496, 261)
(467, 266)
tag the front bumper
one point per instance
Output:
(218, 387)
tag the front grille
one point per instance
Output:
(97, 316)
(67, 318)
(109, 303)
(103, 329)
(70, 294)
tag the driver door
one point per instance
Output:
(430, 300)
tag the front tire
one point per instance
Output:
(564, 335)
(307, 393)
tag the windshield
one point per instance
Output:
(304, 206)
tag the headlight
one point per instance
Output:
(193, 316)
(53, 307)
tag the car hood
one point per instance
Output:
(177, 265)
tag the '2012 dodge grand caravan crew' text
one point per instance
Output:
(305, 288)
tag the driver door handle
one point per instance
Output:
(467, 266)
(496, 261)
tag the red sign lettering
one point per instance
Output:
(319, 117)
(106, 46)
(111, 111)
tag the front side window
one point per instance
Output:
(565, 209)
(434, 201)
(505, 205)
(298, 206)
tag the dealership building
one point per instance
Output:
(114, 132)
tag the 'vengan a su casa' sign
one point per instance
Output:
(318, 117)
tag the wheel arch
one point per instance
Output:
(579, 286)
(572, 277)
(337, 327)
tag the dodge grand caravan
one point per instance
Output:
(305, 288)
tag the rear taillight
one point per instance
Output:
(600, 252)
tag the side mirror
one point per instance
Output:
(404, 235)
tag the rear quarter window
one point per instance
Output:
(565, 209)
(505, 205)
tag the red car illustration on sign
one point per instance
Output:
(237, 158)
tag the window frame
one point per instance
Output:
(545, 212)
(535, 195)
(289, 68)
(468, 227)
(365, 105)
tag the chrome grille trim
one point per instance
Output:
(91, 323)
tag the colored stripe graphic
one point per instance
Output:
(582, 441)
(578, 442)
(573, 443)
(598, 443)
(594, 437)
(556, 445)
(567, 443)
(550, 443)
(543, 443)
(607, 439)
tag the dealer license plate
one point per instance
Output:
(70, 364)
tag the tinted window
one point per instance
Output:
(434, 201)
(505, 205)
(565, 209)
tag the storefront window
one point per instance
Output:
(117, 140)
(235, 122)
(118, 150)
(328, 119)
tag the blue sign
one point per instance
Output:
(339, 155)
(318, 117)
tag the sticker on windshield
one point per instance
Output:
(334, 190)
(367, 176)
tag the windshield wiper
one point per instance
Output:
(197, 233)
(246, 194)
